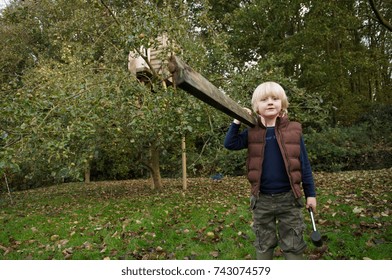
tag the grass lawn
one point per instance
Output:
(211, 220)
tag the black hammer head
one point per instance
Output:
(316, 239)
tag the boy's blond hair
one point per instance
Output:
(268, 89)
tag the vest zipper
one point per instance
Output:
(285, 158)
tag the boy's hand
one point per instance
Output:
(249, 111)
(311, 202)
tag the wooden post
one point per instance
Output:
(183, 151)
(184, 175)
(192, 82)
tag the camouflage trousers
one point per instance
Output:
(278, 220)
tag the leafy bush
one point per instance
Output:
(348, 148)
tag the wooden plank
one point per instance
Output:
(192, 82)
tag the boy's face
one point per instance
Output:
(269, 107)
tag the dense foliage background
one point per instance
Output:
(70, 107)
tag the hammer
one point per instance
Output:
(315, 236)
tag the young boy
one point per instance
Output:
(277, 165)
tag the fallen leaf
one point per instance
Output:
(87, 245)
(370, 243)
(159, 249)
(215, 254)
(248, 257)
(63, 242)
(321, 221)
(358, 210)
(54, 237)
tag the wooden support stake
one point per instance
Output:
(184, 175)
(8, 188)
(192, 82)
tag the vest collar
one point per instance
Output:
(280, 121)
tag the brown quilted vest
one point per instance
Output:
(288, 135)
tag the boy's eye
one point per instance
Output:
(272, 97)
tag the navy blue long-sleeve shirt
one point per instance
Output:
(274, 177)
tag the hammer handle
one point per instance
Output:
(312, 218)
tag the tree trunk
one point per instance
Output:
(154, 164)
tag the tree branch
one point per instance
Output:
(111, 13)
(145, 58)
(380, 18)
